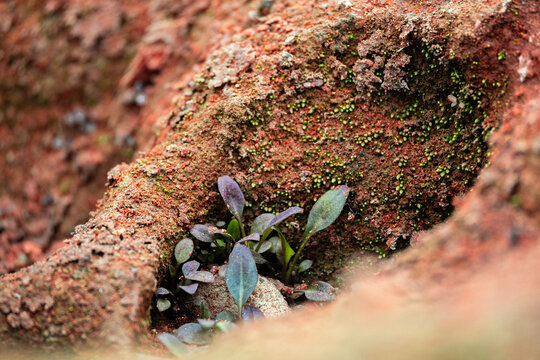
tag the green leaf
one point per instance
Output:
(224, 320)
(172, 343)
(220, 243)
(266, 233)
(326, 210)
(163, 304)
(288, 253)
(224, 325)
(234, 229)
(284, 256)
(304, 265)
(226, 235)
(241, 275)
(183, 251)
(295, 295)
(172, 270)
(252, 313)
(205, 310)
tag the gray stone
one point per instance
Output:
(265, 297)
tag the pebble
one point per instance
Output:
(266, 297)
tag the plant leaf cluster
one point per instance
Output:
(198, 333)
(190, 279)
(244, 252)
(265, 236)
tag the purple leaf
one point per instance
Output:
(267, 245)
(232, 195)
(201, 233)
(252, 237)
(202, 276)
(284, 214)
(183, 251)
(304, 265)
(212, 230)
(162, 291)
(320, 291)
(252, 313)
(190, 267)
(259, 259)
(260, 223)
(192, 333)
(190, 289)
(223, 271)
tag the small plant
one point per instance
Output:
(325, 211)
(323, 214)
(241, 280)
(197, 333)
(244, 251)
(190, 280)
(241, 275)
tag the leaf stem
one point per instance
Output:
(264, 235)
(258, 247)
(242, 228)
(295, 259)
